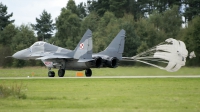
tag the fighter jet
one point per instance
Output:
(81, 58)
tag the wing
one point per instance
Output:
(53, 57)
(61, 57)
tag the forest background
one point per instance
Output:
(146, 22)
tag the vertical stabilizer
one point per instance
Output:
(116, 47)
(83, 50)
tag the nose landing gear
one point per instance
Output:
(51, 73)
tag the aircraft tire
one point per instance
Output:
(51, 74)
(61, 72)
(88, 72)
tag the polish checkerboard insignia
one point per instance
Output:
(81, 46)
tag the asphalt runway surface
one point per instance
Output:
(102, 77)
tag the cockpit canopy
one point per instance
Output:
(39, 43)
(37, 46)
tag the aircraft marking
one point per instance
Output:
(81, 46)
(47, 63)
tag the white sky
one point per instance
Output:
(26, 11)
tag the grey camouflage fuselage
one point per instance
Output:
(80, 58)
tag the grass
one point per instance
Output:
(103, 95)
(106, 95)
(14, 90)
(120, 71)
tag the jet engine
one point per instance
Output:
(111, 62)
(96, 63)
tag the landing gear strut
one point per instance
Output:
(61, 72)
(88, 72)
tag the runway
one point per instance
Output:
(102, 77)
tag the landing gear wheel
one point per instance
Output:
(51, 73)
(61, 72)
(88, 72)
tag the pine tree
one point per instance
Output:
(44, 26)
(4, 17)
(68, 26)
(192, 9)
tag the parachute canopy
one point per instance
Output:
(169, 55)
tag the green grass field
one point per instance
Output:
(103, 95)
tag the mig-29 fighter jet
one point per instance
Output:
(81, 58)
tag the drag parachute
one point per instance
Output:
(169, 55)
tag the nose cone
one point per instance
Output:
(23, 54)
(17, 55)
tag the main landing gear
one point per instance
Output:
(61, 73)
(88, 72)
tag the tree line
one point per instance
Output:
(146, 22)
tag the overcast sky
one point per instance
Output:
(25, 11)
